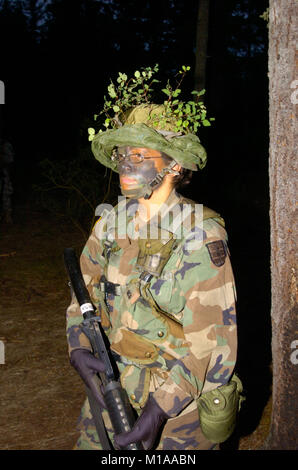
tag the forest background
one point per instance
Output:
(57, 60)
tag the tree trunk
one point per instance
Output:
(201, 44)
(283, 218)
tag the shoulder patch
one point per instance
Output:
(217, 252)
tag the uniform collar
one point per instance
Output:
(129, 223)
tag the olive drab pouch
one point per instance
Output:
(218, 410)
(154, 253)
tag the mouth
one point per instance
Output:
(129, 181)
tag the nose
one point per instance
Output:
(125, 166)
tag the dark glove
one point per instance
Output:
(87, 365)
(146, 427)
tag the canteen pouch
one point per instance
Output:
(218, 410)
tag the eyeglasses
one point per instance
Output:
(132, 157)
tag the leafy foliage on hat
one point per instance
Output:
(128, 93)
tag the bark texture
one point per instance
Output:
(283, 218)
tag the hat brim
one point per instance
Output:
(185, 150)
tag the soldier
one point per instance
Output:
(169, 289)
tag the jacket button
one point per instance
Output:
(148, 354)
(133, 397)
(160, 334)
(148, 245)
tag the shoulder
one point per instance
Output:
(207, 212)
(204, 218)
(106, 213)
(114, 218)
(206, 240)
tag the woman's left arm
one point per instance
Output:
(209, 323)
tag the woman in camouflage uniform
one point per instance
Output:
(170, 314)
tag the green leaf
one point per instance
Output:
(122, 77)
(176, 93)
(137, 74)
(206, 123)
(116, 108)
(111, 91)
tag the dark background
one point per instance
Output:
(57, 58)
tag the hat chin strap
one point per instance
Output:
(149, 188)
(146, 191)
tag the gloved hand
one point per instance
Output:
(146, 427)
(87, 365)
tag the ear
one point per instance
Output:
(177, 167)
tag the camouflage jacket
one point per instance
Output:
(174, 334)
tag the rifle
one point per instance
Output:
(118, 406)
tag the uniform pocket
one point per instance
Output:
(131, 293)
(166, 292)
(136, 382)
(162, 288)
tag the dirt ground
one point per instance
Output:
(40, 394)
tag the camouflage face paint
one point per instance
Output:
(136, 177)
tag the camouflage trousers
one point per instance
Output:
(180, 433)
